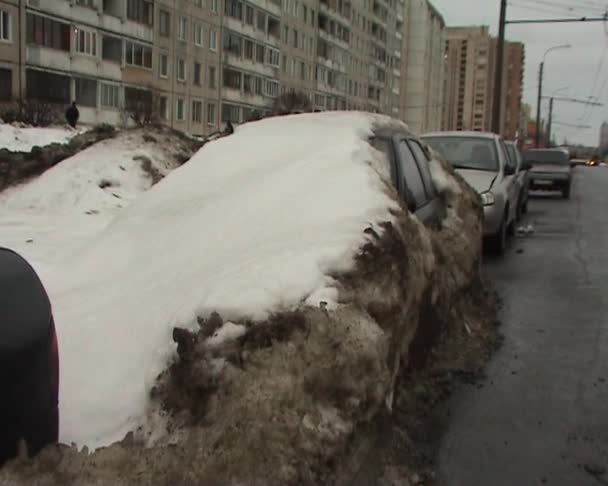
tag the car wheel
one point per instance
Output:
(498, 242)
(566, 192)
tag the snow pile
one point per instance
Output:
(48, 218)
(22, 139)
(254, 223)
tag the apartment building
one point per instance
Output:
(200, 63)
(471, 57)
(424, 68)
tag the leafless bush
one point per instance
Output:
(33, 112)
(142, 106)
(291, 102)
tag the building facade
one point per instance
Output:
(471, 55)
(424, 68)
(200, 63)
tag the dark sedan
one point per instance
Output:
(29, 360)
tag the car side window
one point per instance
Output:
(423, 166)
(411, 174)
(507, 156)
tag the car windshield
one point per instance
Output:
(466, 152)
(540, 157)
(512, 152)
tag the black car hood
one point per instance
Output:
(25, 309)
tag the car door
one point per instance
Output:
(510, 181)
(411, 185)
(421, 156)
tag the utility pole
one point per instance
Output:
(499, 67)
(549, 123)
(540, 97)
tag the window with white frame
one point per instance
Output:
(180, 109)
(85, 41)
(163, 65)
(213, 5)
(181, 69)
(6, 33)
(197, 73)
(271, 88)
(138, 55)
(273, 57)
(211, 117)
(164, 23)
(197, 111)
(213, 40)
(110, 95)
(212, 77)
(182, 28)
(198, 33)
(163, 107)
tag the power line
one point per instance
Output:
(560, 5)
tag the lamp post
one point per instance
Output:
(540, 88)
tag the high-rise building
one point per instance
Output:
(470, 58)
(471, 53)
(423, 68)
(199, 63)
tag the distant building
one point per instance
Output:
(604, 138)
(423, 68)
(471, 71)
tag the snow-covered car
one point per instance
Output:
(522, 172)
(482, 160)
(29, 367)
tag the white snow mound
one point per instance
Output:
(22, 139)
(253, 224)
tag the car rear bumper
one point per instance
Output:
(549, 181)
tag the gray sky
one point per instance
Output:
(582, 70)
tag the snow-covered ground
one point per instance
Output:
(22, 139)
(253, 224)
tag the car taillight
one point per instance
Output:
(54, 364)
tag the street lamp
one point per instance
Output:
(540, 88)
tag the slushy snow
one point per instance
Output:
(254, 223)
(22, 139)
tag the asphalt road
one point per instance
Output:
(542, 413)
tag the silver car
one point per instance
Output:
(522, 178)
(482, 160)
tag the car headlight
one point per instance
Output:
(487, 198)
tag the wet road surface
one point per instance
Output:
(542, 413)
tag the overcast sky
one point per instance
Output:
(582, 71)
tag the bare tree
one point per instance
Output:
(291, 102)
(142, 106)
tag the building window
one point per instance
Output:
(231, 113)
(249, 13)
(6, 84)
(44, 86)
(234, 9)
(248, 49)
(43, 31)
(110, 95)
(212, 77)
(211, 114)
(232, 43)
(197, 111)
(261, 21)
(286, 34)
(164, 23)
(198, 3)
(213, 40)
(180, 109)
(181, 69)
(213, 5)
(111, 49)
(5, 26)
(294, 42)
(271, 88)
(196, 74)
(163, 107)
(86, 3)
(199, 34)
(85, 42)
(86, 92)
(273, 57)
(163, 65)
(182, 28)
(257, 88)
(231, 78)
(259, 53)
(138, 55)
(141, 11)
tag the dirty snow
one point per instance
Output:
(228, 332)
(442, 183)
(22, 139)
(252, 224)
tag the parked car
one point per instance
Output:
(410, 172)
(522, 177)
(550, 170)
(482, 160)
(29, 361)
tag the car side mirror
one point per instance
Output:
(410, 200)
(526, 165)
(509, 169)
